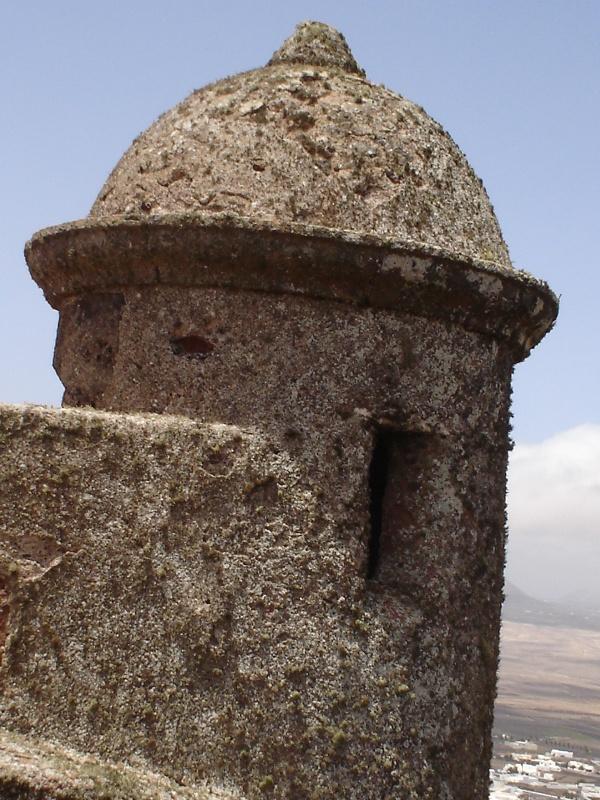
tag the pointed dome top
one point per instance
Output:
(317, 44)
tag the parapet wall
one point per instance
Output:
(188, 598)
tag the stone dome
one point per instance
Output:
(309, 141)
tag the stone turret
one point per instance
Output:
(268, 559)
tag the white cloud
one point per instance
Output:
(554, 515)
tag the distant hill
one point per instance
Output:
(573, 612)
(587, 599)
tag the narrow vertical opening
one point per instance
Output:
(400, 497)
(378, 479)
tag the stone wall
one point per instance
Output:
(208, 600)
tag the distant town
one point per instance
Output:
(547, 715)
(529, 770)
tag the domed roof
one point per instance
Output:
(309, 140)
(301, 178)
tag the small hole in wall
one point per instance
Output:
(378, 478)
(4, 615)
(192, 345)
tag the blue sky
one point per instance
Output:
(516, 83)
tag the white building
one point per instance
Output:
(548, 764)
(563, 755)
(580, 766)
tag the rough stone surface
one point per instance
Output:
(279, 362)
(310, 143)
(318, 44)
(196, 595)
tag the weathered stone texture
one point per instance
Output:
(283, 362)
(203, 589)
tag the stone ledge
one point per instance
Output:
(33, 770)
(225, 250)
